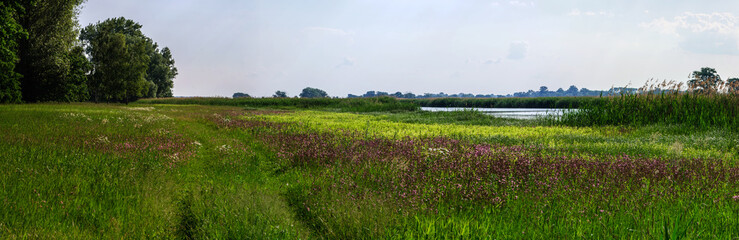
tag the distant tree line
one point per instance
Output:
(573, 91)
(44, 56)
(705, 80)
(308, 92)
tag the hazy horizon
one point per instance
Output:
(479, 47)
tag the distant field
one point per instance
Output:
(261, 170)
(378, 104)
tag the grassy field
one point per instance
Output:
(206, 171)
(377, 104)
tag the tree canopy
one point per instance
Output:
(280, 94)
(127, 64)
(45, 56)
(313, 93)
(10, 33)
(241, 95)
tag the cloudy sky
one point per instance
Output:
(420, 46)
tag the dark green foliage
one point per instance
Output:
(76, 82)
(380, 104)
(543, 102)
(241, 95)
(161, 72)
(313, 93)
(10, 33)
(45, 55)
(280, 94)
(152, 90)
(128, 64)
(120, 53)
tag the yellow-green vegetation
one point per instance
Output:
(87, 171)
(655, 141)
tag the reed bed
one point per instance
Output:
(538, 102)
(663, 103)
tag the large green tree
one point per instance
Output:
(45, 56)
(280, 94)
(120, 55)
(161, 72)
(10, 33)
(313, 93)
(76, 82)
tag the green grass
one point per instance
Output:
(653, 140)
(378, 104)
(462, 117)
(187, 171)
(65, 178)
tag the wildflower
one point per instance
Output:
(736, 198)
(103, 139)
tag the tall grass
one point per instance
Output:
(697, 109)
(84, 171)
(442, 188)
(540, 102)
(378, 104)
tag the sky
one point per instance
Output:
(431, 46)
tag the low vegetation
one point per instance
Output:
(380, 104)
(539, 102)
(209, 171)
(700, 107)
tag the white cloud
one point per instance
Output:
(577, 12)
(329, 32)
(711, 33)
(521, 4)
(334, 31)
(455, 75)
(722, 23)
(492, 61)
(518, 50)
(347, 62)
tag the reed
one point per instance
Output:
(540, 102)
(663, 103)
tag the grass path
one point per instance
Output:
(85, 171)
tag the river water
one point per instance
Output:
(517, 113)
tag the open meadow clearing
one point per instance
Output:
(517, 119)
(195, 171)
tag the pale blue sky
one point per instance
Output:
(475, 46)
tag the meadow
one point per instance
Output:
(187, 170)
